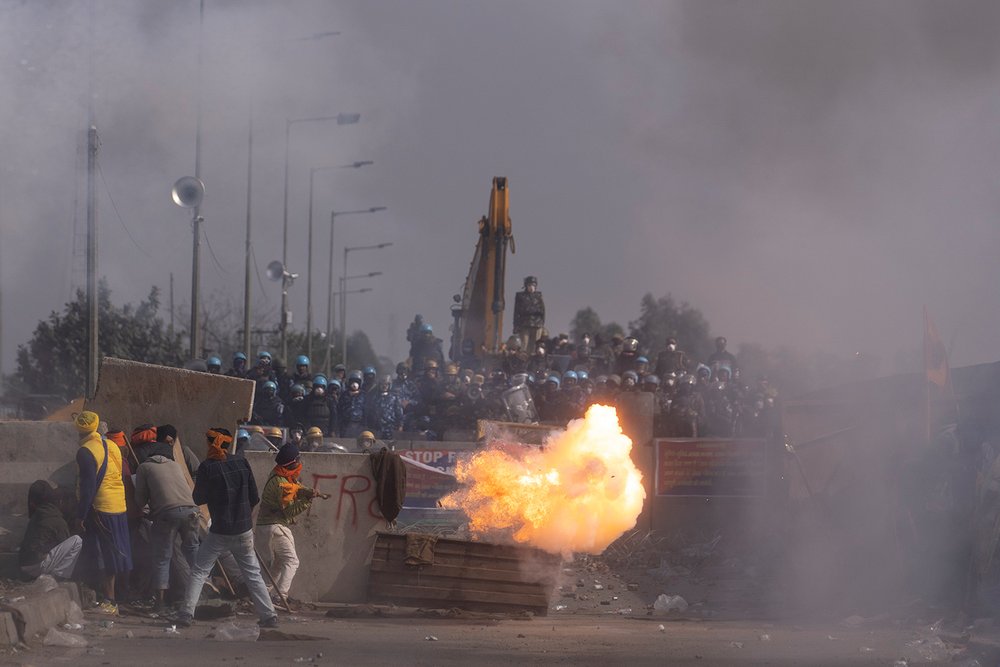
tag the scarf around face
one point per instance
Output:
(290, 487)
(216, 452)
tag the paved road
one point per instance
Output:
(555, 640)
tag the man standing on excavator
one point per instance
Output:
(529, 313)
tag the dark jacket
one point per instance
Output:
(229, 490)
(529, 310)
(46, 528)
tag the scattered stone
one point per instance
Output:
(662, 628)
(765, 637)
(520, 636)
(59, 638)
(430, 638)
(670, 603)
(736, 644)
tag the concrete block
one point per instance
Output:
(8, 629)
(130, 393)
(336, 537)
(37, 613)
(73, 589)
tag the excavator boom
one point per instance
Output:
(478, 312)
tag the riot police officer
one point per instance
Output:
(529, 313)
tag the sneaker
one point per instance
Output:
(269, 622)
(183, 621)
(107, 607)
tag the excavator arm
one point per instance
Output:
(478, 311)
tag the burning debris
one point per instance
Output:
(578, 493)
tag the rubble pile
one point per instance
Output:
(647, 573)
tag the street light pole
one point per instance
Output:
(343, 299)
(247, 285)
(309, 272)
(196, 218)
(329, 287)
(342, 119)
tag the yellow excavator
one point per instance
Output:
(478, 310)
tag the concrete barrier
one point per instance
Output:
(130, 393)
(336, 537)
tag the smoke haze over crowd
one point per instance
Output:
(804, 173)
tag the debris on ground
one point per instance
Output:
(230, 632)
(56, 637)
(670, 603)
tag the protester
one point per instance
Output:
(160, 483)
(227, 486)
(106, 548)
(47, 546)
(282, 499)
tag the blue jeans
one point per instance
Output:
(241, 546)
(166, 525)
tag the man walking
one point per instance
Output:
(227, 486)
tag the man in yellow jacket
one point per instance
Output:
(101, 517)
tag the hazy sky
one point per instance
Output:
(804, 172)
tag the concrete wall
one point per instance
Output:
(130, 393)
(335, 539)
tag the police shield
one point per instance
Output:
(520, 407)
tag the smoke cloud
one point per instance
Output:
(804, 173)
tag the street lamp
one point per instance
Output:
(329, 288)
(343, 300)
(277, 271)
(188, 192)
(309, 264)
(342, 119)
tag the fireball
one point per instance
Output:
(578, 493)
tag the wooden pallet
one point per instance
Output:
(476, 576)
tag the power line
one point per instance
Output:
(256, 268)
(114, 206)
(212, 252)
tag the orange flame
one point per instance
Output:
(577, 494)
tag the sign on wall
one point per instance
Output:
(714, 468)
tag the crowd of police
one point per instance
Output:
(552, 382)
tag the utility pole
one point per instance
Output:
(171, 304)
(196, 221)
(247, 267)
(92, 296)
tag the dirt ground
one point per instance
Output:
(603, 611)
(559, 639)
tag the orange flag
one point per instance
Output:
(935, 356)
